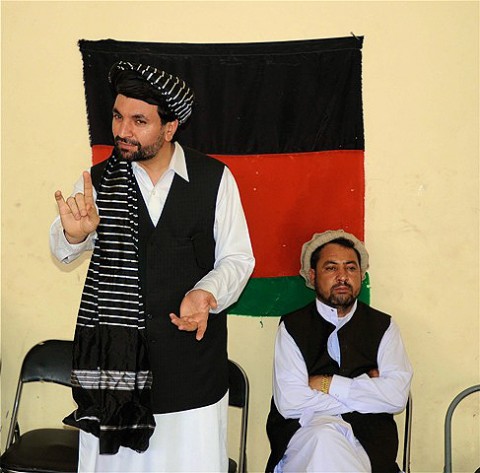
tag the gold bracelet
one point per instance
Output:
(325, 384)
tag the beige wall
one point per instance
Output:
(421, 115)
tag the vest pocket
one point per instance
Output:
(204, 250)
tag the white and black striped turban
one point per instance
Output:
(176, 94)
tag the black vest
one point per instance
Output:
(173, 257)
(359, 340)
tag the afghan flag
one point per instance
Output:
(286, 117)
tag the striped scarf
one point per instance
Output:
(111, 377)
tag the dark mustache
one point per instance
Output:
(127, 141)
(342, 284)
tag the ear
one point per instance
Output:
(171, 128)
(311, 276)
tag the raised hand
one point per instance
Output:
(194, 311)
(78, 213)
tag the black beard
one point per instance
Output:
(142, 154)
(337, 301)
(139, 155)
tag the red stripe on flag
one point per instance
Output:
(101, 153)
(288, 197)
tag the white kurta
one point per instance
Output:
(187, 441)
(192, 440)
(324, 442)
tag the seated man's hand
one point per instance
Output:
(194, 311)
(373, 373)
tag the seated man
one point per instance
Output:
(340, 371)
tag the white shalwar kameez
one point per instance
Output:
(194, 440)
(325, 442)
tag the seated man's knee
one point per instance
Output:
(323, 437)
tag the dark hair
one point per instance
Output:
(130, 84)
(339, 241)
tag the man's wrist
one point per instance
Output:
(325, 384)
(73, 240)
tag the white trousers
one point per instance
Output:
(187, 441)
(325, 445)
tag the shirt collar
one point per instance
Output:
(178, 163)
(330, 313)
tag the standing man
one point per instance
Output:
(171, 252)
(340, 371)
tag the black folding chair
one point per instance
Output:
(238, 397)
(56, 450)
(42, 450)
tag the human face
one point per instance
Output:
(137, 129)
(337, 278)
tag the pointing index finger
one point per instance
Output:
(87, 187)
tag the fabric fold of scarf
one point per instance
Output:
(111, 377)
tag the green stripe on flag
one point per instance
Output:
(273, 297)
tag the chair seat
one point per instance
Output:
(232, 466)
(43, 451)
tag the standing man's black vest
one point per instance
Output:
(173, 257)
(359, 340)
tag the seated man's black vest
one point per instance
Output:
(359, 340)
(173, 257)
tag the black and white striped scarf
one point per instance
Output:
(111, 376)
